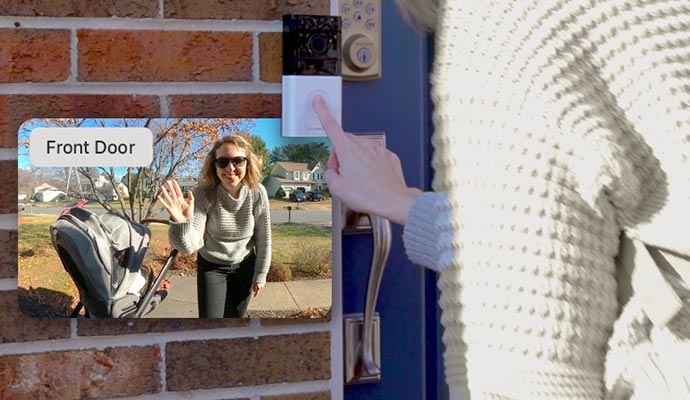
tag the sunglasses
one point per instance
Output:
(223, 162)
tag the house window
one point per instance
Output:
(296, 175)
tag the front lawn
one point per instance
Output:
(45, 288)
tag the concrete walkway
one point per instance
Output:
(278, 299)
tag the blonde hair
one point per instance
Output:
(421, 14)
(252, 178)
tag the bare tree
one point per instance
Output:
(179, 148)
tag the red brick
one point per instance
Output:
(8, 254)
(226, 105)
(300, 396)
(271, 56)
(243, 9)
(81, 374)
(80, 8)
(18, 328)
(104, 326)
(209, 364)
(15, 109)
(164, 56)
(35, 55)
(8, 177)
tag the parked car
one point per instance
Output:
(314, 196)
(298, 196)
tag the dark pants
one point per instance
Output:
(223, 293)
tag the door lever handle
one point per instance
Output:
(362, 331)
(381, 229)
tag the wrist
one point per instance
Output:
(398, 206)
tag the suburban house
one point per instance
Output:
(104, 188)
(291, 175)
(186, 184)
(46, 192)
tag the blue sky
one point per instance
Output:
(267, 128)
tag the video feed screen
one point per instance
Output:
(172, 218)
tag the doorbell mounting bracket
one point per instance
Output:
(311, 65)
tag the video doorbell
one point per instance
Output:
(311, 65)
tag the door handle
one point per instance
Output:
(362, 331)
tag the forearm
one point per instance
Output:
(262, 244)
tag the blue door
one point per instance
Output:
(398, 105)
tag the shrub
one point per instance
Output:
(313, 261)
(279, 273)
(280, 193)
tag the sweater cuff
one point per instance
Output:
(261, 277)
(177, 231)
(428, 234)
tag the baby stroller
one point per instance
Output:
(103, 254)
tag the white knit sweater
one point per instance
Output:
(558, 125)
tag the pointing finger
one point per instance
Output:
(330, 125)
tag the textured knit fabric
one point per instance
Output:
(558, 125)
(225, 230)
(428, 234)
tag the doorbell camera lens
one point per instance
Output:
(318, 45)
(311, 45)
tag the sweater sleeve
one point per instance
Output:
(428, 234)
(188, 236)
(262, 235)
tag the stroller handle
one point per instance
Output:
(159, 279)
(155, 221)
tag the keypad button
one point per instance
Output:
(346, 8)
(370, 9)
(359, 17)
(346, 23)
(370, 24)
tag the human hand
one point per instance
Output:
(173, 200)
(364, 175)
(257, 288)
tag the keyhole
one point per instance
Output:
(364, 55)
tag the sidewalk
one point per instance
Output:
(278, 299)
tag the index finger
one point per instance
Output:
(330, 125)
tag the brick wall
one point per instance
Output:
(153, 58)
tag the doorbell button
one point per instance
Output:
(298, 116)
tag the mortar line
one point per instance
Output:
(144, 24)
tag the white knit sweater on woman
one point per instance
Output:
(558, 125)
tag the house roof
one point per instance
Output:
(293, 166)
(313, 165)
(44, 186)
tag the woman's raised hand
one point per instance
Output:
(173, 200)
